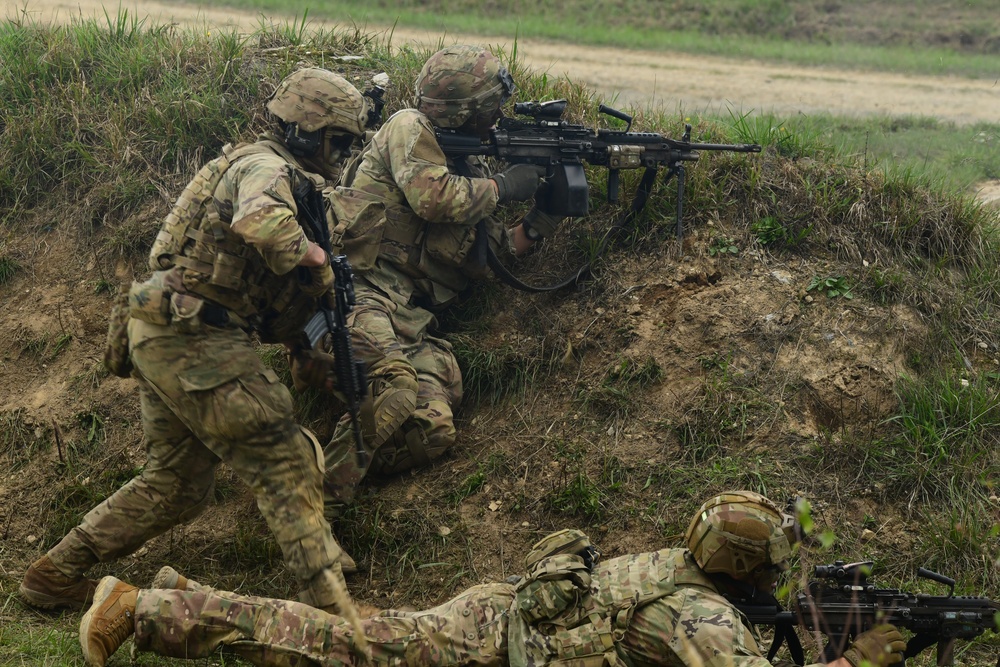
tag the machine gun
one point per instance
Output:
(841, 603)
(563, 148)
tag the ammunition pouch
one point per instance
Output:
(358, 227)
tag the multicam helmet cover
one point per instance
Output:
(315, 98)
(460, 82)
(738, 531)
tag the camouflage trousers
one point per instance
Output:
(470, 629)
(205, 399)
(393, 342)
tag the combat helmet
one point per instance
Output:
(315, 98)
(459, 84)
(739, 531)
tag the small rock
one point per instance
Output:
(808, 299)
(867, 535)
(525, 524)
(31, 539)
(444, 531)
(782, 277)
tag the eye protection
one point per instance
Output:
(507, 81)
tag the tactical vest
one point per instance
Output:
(421, 250)
(568, 615)
(207, 259)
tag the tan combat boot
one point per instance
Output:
(109, 622)
(170, 578)
(44, 586)
(347, 564)
(392, 406)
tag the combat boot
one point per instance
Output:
(391, 407)
(170, 578)
(347, 564)
(109, 622)
(44, 586)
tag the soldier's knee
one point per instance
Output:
(182, 495)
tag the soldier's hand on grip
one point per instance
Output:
(518, 182)
(318, 280)
(312, 368)
(538, 224)
(881, 646)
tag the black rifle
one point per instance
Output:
(332, 317)
(841, 603)
(563, 148)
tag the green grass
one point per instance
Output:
(761, 29)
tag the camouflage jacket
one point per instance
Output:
(639, 610)
(232, 237)
(431, 213)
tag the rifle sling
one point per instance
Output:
(617, 227)
(785, 633)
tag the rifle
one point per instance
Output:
(841, 603)
(331, 318)
(548, 140)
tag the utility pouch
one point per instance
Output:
(566, 541)
(116, 354)
(149, 303)
(554, 585)
(450, 243)
(185, 313)
(358, 227)
(557, 576)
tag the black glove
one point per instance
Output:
(883, 645)
(538, 224)
(518, 182)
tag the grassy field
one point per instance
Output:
(127, 111)
(951, 37)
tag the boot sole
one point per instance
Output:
(352, 568)
(167, 577)
(48, 602)
(104, 589)
(396, 409)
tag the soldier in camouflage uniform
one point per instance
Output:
(230, 258)
(663, 608)
(417, 258)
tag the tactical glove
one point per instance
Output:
(317, 280)
(312, 368)
(538, 224)
(518, 182)
(883, 645)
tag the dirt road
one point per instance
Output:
(650, 78)
(646, 79)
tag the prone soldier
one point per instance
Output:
(666, 607)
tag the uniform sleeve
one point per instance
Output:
(420, 169)
(692, 629)
(264, 210)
